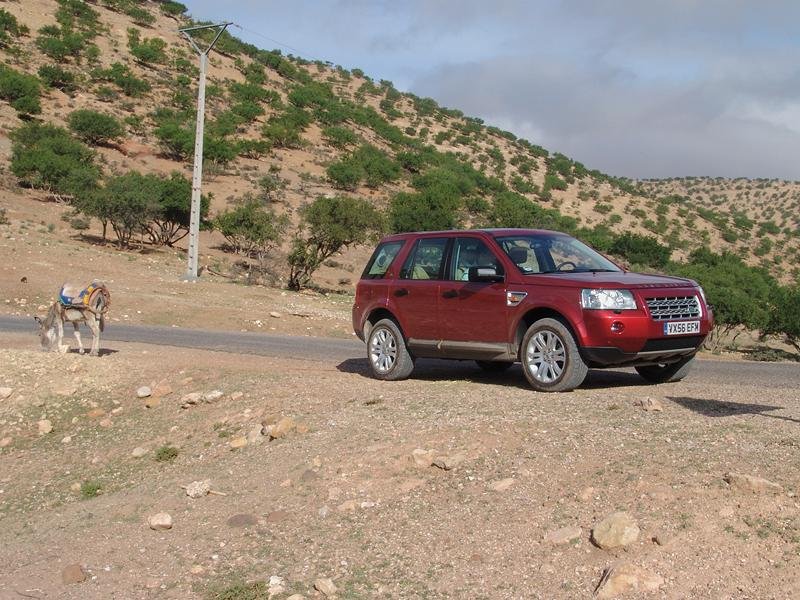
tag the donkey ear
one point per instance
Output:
(38, 320)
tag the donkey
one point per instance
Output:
(75, 305)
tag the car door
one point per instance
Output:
(414, 295)
(472, 311)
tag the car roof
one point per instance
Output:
(494, 232)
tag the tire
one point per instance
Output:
(387, 354)
(550, 357)
(667, 373)
(494, 366)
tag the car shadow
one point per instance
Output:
(101, 352)
(722, 408)
(441, 369)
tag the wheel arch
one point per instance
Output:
(375, 316)
(535, 314)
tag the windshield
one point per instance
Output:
(553, 253)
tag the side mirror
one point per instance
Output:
(484, 275)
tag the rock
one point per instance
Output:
(138, 452)
(237, 395)
(660, 538)
(75, 487)
(198, 489)
(275, 315)
(66, 439)
(65, 391)
(586, 494)
(254, 436)
(106, 423)
(160, 521)
(308, 476)
(502, 485)
(96, 413)
(191, 399)
(325, 586)
(625, 577)
(73, 574)
(749, 483)
(5, 442)
(242, 520)
(162, 389)
(5, 392)
(650, 404)
(144, 392)
(276, 516)
(238, 442)
(324, 511)
(302, 428)
(197, 570)
(565, 535)
(152, 402)
(282, 428)
(212, 396)
(423, 458)
(45, 426)
(296, 597)
(276, 586)
(348, 506)
(448, 463)
(616, 530)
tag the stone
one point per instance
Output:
(75, 487)
(302, 428)
(138, 452)
(448, 463)
(348, 506)
(282, 428)
(308, 476)
(660, 538)
(238, 442)
(5, 392)
(502, 485)
(422, 457)
(237, 395)
(190, 399)
(275, 315)
(754, 485)
(106, 423)
(73, 574)
(650, 404)
(616, 530)
(45, 426)
(160, 521)
(276, 586)
(625, 577)
(162, 389)
(66, 439)
(586, 494)
(276, 516)
(296, 597)
(324, 511)
(565, 535)
(325, 586)
(65, 391)
(242, 520)
(197, 570)
(198, 489)
(5, 442)
(144, 392)
(254, 436)
(152, 402)
(96, 413)
(213, 395)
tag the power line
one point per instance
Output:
(281, 44)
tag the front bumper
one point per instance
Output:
(655, 351)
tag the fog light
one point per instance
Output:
(617, 327)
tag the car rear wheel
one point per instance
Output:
(666, 373)
(550, 357)
(388, 356)
(494, 366)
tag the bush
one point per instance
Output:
(56, 77)
(283, 130)
(251, 229)
(47, 157)
(60, 43)
(339, 137)
(20, 90)
(166, 454)
(368, 163)
(121, 76)
(10, 28)
(146, 50)
(128, 203)
(94, 127)
(345, 174)
(785, 317)
(327, 226)
(641, 250)
(90, 488)
(172, 8)
(170, 222)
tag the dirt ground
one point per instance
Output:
(343, 495)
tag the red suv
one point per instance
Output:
(541, 298)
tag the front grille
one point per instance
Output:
(674, 307)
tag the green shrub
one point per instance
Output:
(641, 250)
(94, 127)
(166, 453)
(146, 50)
(128, 203)
(368, 163)
(57, 77)
(20, 90)
(345, 174)
(339, 137)
(47, 157)
(60, 43)
(283, 130)
(172, 8)
(250, 228)
(90, 488)
(10, 28)
(554, 182)
(121, 76)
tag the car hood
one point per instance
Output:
(623, 279)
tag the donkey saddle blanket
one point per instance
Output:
(74, 295)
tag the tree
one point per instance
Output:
(641, 250)
(785, 315)
(20, 90)
(170, 222)
(129, 203)
(327, 226)
(94, 127)
(56, 77)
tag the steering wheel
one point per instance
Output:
(565, 263)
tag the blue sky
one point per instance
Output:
(630, 87)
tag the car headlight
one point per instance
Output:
(608, 299)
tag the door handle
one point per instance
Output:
(401, 292)
(450, 294)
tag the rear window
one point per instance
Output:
(381, 260)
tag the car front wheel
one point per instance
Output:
(388, 356)
(667, 373)
(550, 357)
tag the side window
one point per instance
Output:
(381, 259)
(425, 260)
(522, 255)
(471, 252)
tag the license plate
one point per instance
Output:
(681, 327)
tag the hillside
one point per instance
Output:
(276, 124)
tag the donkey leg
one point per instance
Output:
(78, 336)
(94, 325)
(62, 347)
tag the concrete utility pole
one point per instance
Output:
(197, 174)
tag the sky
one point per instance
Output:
(634, 88)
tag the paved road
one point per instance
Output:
(350, 354)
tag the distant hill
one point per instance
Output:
(288, 130)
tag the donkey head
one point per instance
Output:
(47, 333)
